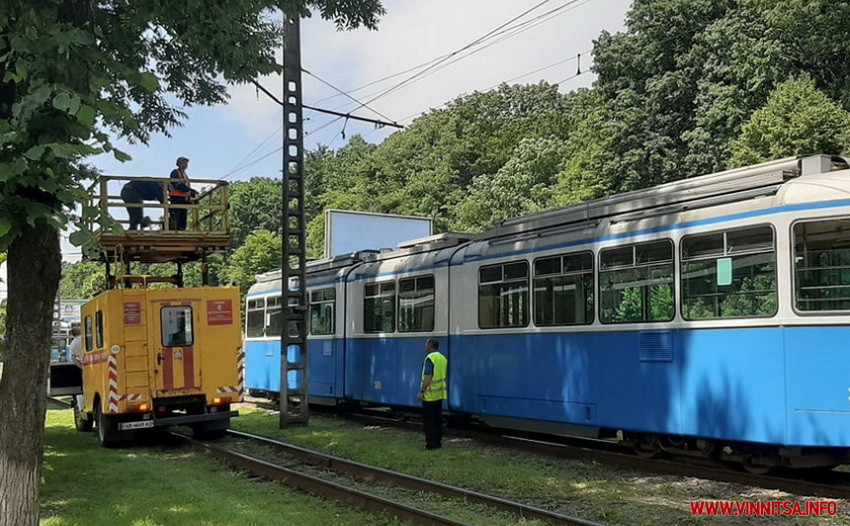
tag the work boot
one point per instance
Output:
(146, 222)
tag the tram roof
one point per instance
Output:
(729, 186)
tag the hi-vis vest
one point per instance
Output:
(174, 192)
(436, 390)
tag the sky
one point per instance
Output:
(243, 138)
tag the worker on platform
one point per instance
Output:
(137, 191)
(179, 193)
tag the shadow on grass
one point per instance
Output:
(157, 482)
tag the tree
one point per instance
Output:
(254, 205)
(797, 119)
(73, 73)
(77, 276)
(260, 253)
(523, 185)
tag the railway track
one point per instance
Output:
(823, 484)
(298, 475)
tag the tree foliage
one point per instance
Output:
(261, 252)
(73, 75)
(797, 119)
(254, 205)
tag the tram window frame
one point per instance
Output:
(636, 259)
(558, 272)
(273, 318)
(98, 329)
(497, 277)
(384, 292)
(320, 300)
(89, 333)
(257, 315)
(188, 333)
(420, 313)
(841, 270)
(738, 245)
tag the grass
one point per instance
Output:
(156, 484)
(582, 489)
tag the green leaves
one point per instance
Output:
(796, 119)
(66, 102)
(5, 226)
(149, 82)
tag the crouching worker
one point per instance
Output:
(135, 192)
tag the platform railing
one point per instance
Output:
(207, 212)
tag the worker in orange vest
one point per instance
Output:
(179, 193)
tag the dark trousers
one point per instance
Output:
(130, 195)
(178, 215)
(432, 419)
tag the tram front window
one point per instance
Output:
(822, 265)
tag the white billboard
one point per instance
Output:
(347, 231)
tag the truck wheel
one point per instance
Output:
(107, 429)
(82, 420)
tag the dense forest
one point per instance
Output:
(691, 87)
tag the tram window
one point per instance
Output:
(89, 334)
(274, 316)
(379, 307)
(416, 304)
(822, 266)
(98, 328)
(503, 295)
(563, 290)
(708, 289)
(636, 283)
(177, 326)
(322, 307)
(255, 318)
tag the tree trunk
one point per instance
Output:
(33, 275)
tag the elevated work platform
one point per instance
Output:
(160, 238)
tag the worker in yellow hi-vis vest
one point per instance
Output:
(432, 392)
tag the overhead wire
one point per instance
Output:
(500, 33)
(517, 78)
(436, 62)
(494, 33)
(362, 105)
(494, 36)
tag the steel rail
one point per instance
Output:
(621, 457)
(318, 486)
(372, 473)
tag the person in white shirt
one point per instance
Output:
(76, 347)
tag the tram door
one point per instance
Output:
(177, 363)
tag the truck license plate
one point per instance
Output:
(135, 425)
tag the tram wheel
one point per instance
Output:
(755, 469)
(82, 421)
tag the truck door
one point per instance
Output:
(177, 366)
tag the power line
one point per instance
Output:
(239, 164)
(434, 62)
(252, 163)
(323, 81)
(495, 33)
(517, 78)
(330, 112)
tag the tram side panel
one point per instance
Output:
(407, 301)
(325, 345)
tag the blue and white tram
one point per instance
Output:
(706, 316)
(325, 342)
